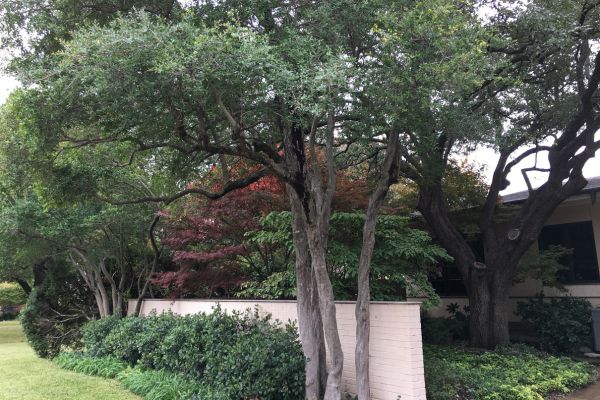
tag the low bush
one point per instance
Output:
(444, 330)
(8, 314)
(562, 325)
(513, 372)
(56, 310)
(207, 348)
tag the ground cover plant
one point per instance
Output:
(25, 376)
(171, 357)
(513, 372)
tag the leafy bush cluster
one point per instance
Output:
(239, 355)
(562, 325)
(55, 312)
(11, 295)
(513, 372)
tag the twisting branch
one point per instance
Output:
(229, 187)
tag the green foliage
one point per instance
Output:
(99, 366)
(278, 285)
(562, 325)
(56, 311)
(543, 265)
(11, 294)
(402, 258)
(444, 330)
(514, 372)
(207, 348)
(161, 385)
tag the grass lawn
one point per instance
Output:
(25, 376)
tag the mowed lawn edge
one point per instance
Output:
(23, 375)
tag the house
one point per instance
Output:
(575, 224)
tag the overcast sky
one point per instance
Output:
(485, 157)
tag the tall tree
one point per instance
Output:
(528, 81)
(265, 94)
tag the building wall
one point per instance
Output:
(577, 209)
(396, 351)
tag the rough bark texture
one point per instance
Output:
(313, 196)
(309, 316)
(389, 173)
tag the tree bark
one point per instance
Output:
(309, 316)
(314, 195)
(388, 176)
(156, 259)
(333, 390)
(24, 285)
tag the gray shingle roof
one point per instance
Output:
(592, 186)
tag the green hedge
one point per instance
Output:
(238, 355)
(11, 295)
(516, 372)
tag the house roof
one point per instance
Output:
(592, 186)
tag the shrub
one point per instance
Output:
(11, 295)
(55, 312)
(93, 335)
(122, 342)
(436, 330)
(513, 372)
(8, 315)
(444, 330)
(208, 348)
(562, 325)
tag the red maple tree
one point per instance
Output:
(208, 238)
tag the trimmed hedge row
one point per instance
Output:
(239, 355)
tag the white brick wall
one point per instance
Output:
(396, 350)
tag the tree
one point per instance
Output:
(305, 89)
(528, 82)
(250, 69)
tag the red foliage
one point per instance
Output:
(207, 237)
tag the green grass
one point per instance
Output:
(25, 376)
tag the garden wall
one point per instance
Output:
(396, 351)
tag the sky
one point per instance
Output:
(482, 156)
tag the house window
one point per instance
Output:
(582, 264)
(448, 282)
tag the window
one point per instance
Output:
(583, 263)
(448, 282)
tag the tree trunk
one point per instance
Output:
(480, 300)
(489, 289)
(309, 316)
(333, 390)
(363, 319)
(24, 285)
(39, 273)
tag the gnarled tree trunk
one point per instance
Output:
(309, 315)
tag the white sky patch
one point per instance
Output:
(7, 85)
(488, 158)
